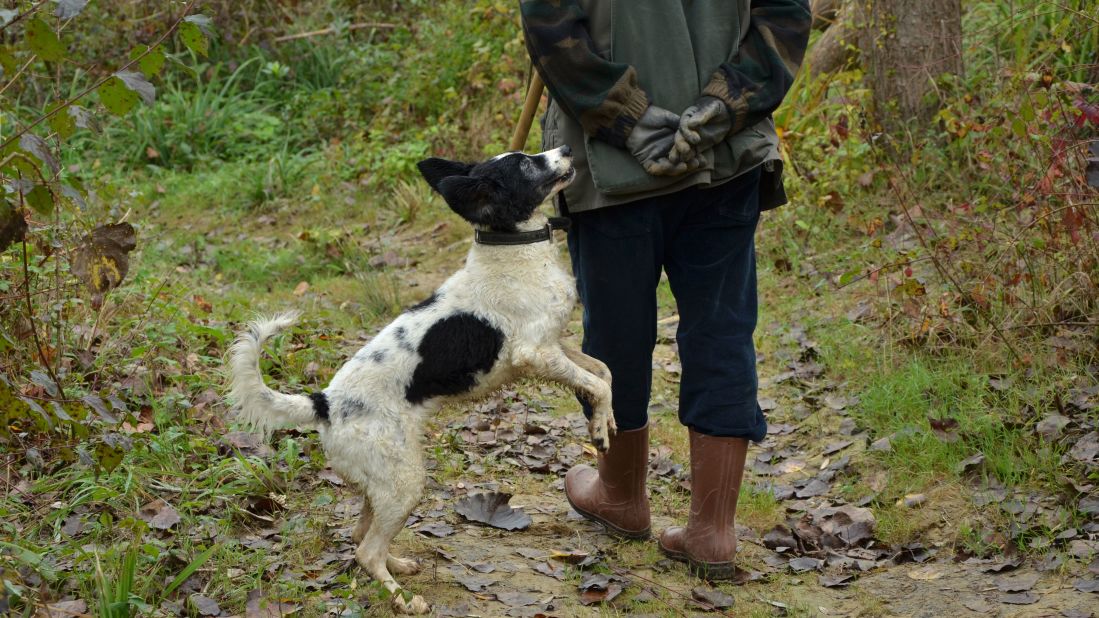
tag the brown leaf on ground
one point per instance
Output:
(779, 538)
(259, 607)
(836, 581)
(600, 588)
(438, 529)
(64, 609)
(970, 464)
(1087, 585)
(549, 570)
(1007, 564)
(1086, 448)
(711, 598)
(850, 524)
(800, 565)
(1017, 583)
(473, 583)
(944, 428)
(204, 605)
(1021, 598)
(491, 508)
(159, 514)
(1051, 427)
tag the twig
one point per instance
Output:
(880, 269)
(30, 313)
(627, 572)
(940, 268)
(18, 73)
(307, 35)
(83, 93)
(20, 16)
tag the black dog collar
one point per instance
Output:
(521, 238)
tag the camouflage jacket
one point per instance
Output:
(605, 61)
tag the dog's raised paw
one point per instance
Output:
(414, 607)
(600, 438)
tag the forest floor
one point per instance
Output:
(826, 526)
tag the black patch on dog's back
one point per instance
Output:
(378, 356)
(401, 335)
(425, 303)
(452, 352)
(320, 405)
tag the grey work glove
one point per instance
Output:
(651, 142)
(702, 126)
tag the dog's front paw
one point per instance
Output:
(416, 606)
(600, 434)
(612, 427)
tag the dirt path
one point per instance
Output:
(808, 546)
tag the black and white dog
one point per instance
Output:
(498, 318)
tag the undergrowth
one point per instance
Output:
(953, 274)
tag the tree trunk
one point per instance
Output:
(824, 13)
(837, 46)
(906, 45)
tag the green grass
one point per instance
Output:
(298, 166)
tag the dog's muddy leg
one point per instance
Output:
(390, 510)
(365, 519)
(556, 365)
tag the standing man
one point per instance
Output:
(666, 105)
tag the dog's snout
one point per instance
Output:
(566, 151)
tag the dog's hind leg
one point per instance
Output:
(366, 517)
(555, 364)
(400, 566)
(390, 511)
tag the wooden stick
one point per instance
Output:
(306, 35)
(526, 119)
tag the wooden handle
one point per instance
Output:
(530, 106)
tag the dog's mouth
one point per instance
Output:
(564, 179)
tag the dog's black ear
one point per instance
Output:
(472, 198)
(434, 170)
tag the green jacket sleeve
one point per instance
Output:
(754, 82)
(603, 96)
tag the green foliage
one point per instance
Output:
(976, 228)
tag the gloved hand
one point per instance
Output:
(652, 141)
(702, 126)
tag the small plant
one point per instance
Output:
(116, 598)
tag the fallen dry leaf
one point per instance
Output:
(491, 508)
(1022, 598)
(836, 581)
(926, 573)
(204, 605)
(712, 598)
(64, 609)
(159, 514)
(1017, 583)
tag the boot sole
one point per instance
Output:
(632, 535)
(709, 571)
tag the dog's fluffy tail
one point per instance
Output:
(258, 406)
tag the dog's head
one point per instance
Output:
(502, 192)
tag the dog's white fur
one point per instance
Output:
(373, 436)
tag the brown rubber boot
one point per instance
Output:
(615, 495)
(708, 543)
